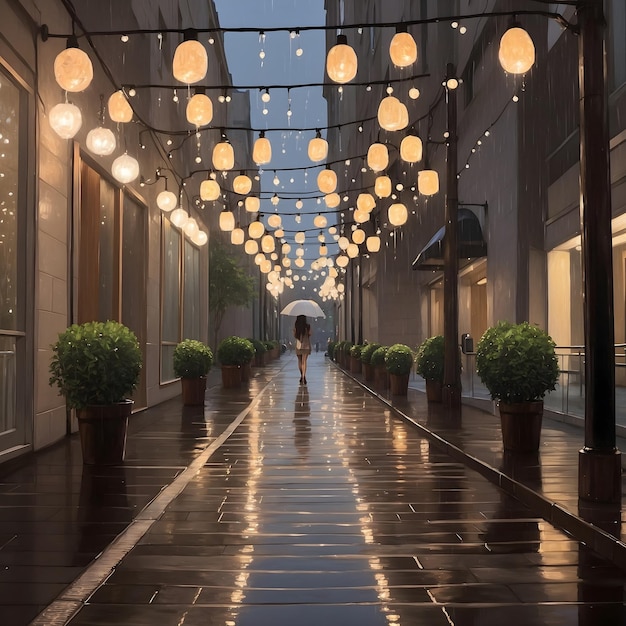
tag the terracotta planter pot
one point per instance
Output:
(434, 390)
(355, 365)
(231, 376)
(399, 384)
(246, 372)
(103, 432)
(368, 370)
(193, 391)
(381, 377)
(521, 426)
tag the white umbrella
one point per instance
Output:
(310, 308)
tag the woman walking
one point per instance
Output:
(302, 333)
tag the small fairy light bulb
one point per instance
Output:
(276, 180)
(265, 97)
(414, 93)
(299, 52)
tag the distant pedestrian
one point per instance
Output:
(302, 333)
(317, 346)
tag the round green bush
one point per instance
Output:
(355, 351)
(517, 362)
(330, 349)
(259, 346)
(367, 351)
(378, 356)
(399, 359)
(235, 351)
(429, 359)
(95, 363)
(192, 359)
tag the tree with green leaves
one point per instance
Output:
(229, 285)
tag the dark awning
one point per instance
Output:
(471, 243)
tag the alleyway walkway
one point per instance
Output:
(321, 507)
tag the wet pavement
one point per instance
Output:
(322, 506)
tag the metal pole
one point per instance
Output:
(599, 464)
(452, 365)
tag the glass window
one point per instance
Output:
(170, 325)
(191, 303)
(617, 24)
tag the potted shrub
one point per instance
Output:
(377, 361)
(355, 359)
(345, 354)
(330, 350)
(96, 366)
(366, 358)
(518, 365)
(232, 353)
(269, 349)
(192, 362)
(399, 361)
(259, 352)
(429, 365)
(246, 366)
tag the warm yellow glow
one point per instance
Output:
(428, 182)
(227, 221)
(299, 262)
(252, 204)
(358, 236)
(268, 244)
(274, 220)
(382, 186)
(179, 217)
(320, 221)
(125, 168)
(411, 149)
(119, 109)
(259, 258)
(360, 217)
(403, 50)
(342, 261)
(210, 190)
(251, 247)
(256, 230)
(318, 149)
(300, 237)
(242, 184)
(200, 238)
(392, 114)
(323, 250)
(199, 110)
(373, 243)
(352, 251)
(262, 150)
(166, 201)
(343, 242)
(73, 70)
(237, 236)
(327, 181)
(265, 266)
(378, 157)
(332, 200)
(341, 62)
(517, 51)
(101, 141)
(398, 214)
(365, 202)
(65, 119)
(223, 156)
(191, 62)
(191, 228)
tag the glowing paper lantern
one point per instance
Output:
(392, 114)
(265, 266)
(517, 51)
(403, 49)
(382, 186)
(223, 156)
(191, 62)
(191, 228)
(237, 236)
(352, 250)
(299, 262)
(256, 230)
(342, 261)
(227, 221)
(210, 190)
(251, 247)
(318, 148)
(300, 237)
(377, 157)
(262, 150)
(320, 221)
(343, 242)
(199, 110)
(101, 141)
(252, 204)
(360, 217)
(267, 244)
(373, 243)
(327, 181)
(341, 61)
(411, 149)
(179, 217)
(125, 168)
(73, 70)
(200, 238)
(166, 201)
(398, 214)
(332, 200)
(242, 184)
(65, 119)
(428, 182)
(358, 236)
(274, 220)
(119, 109)
(365, 202)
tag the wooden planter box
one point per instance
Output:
(193, 390)
(231, 376)
(399, 384)
(521, 426)
(434, 390)
(355, 364)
